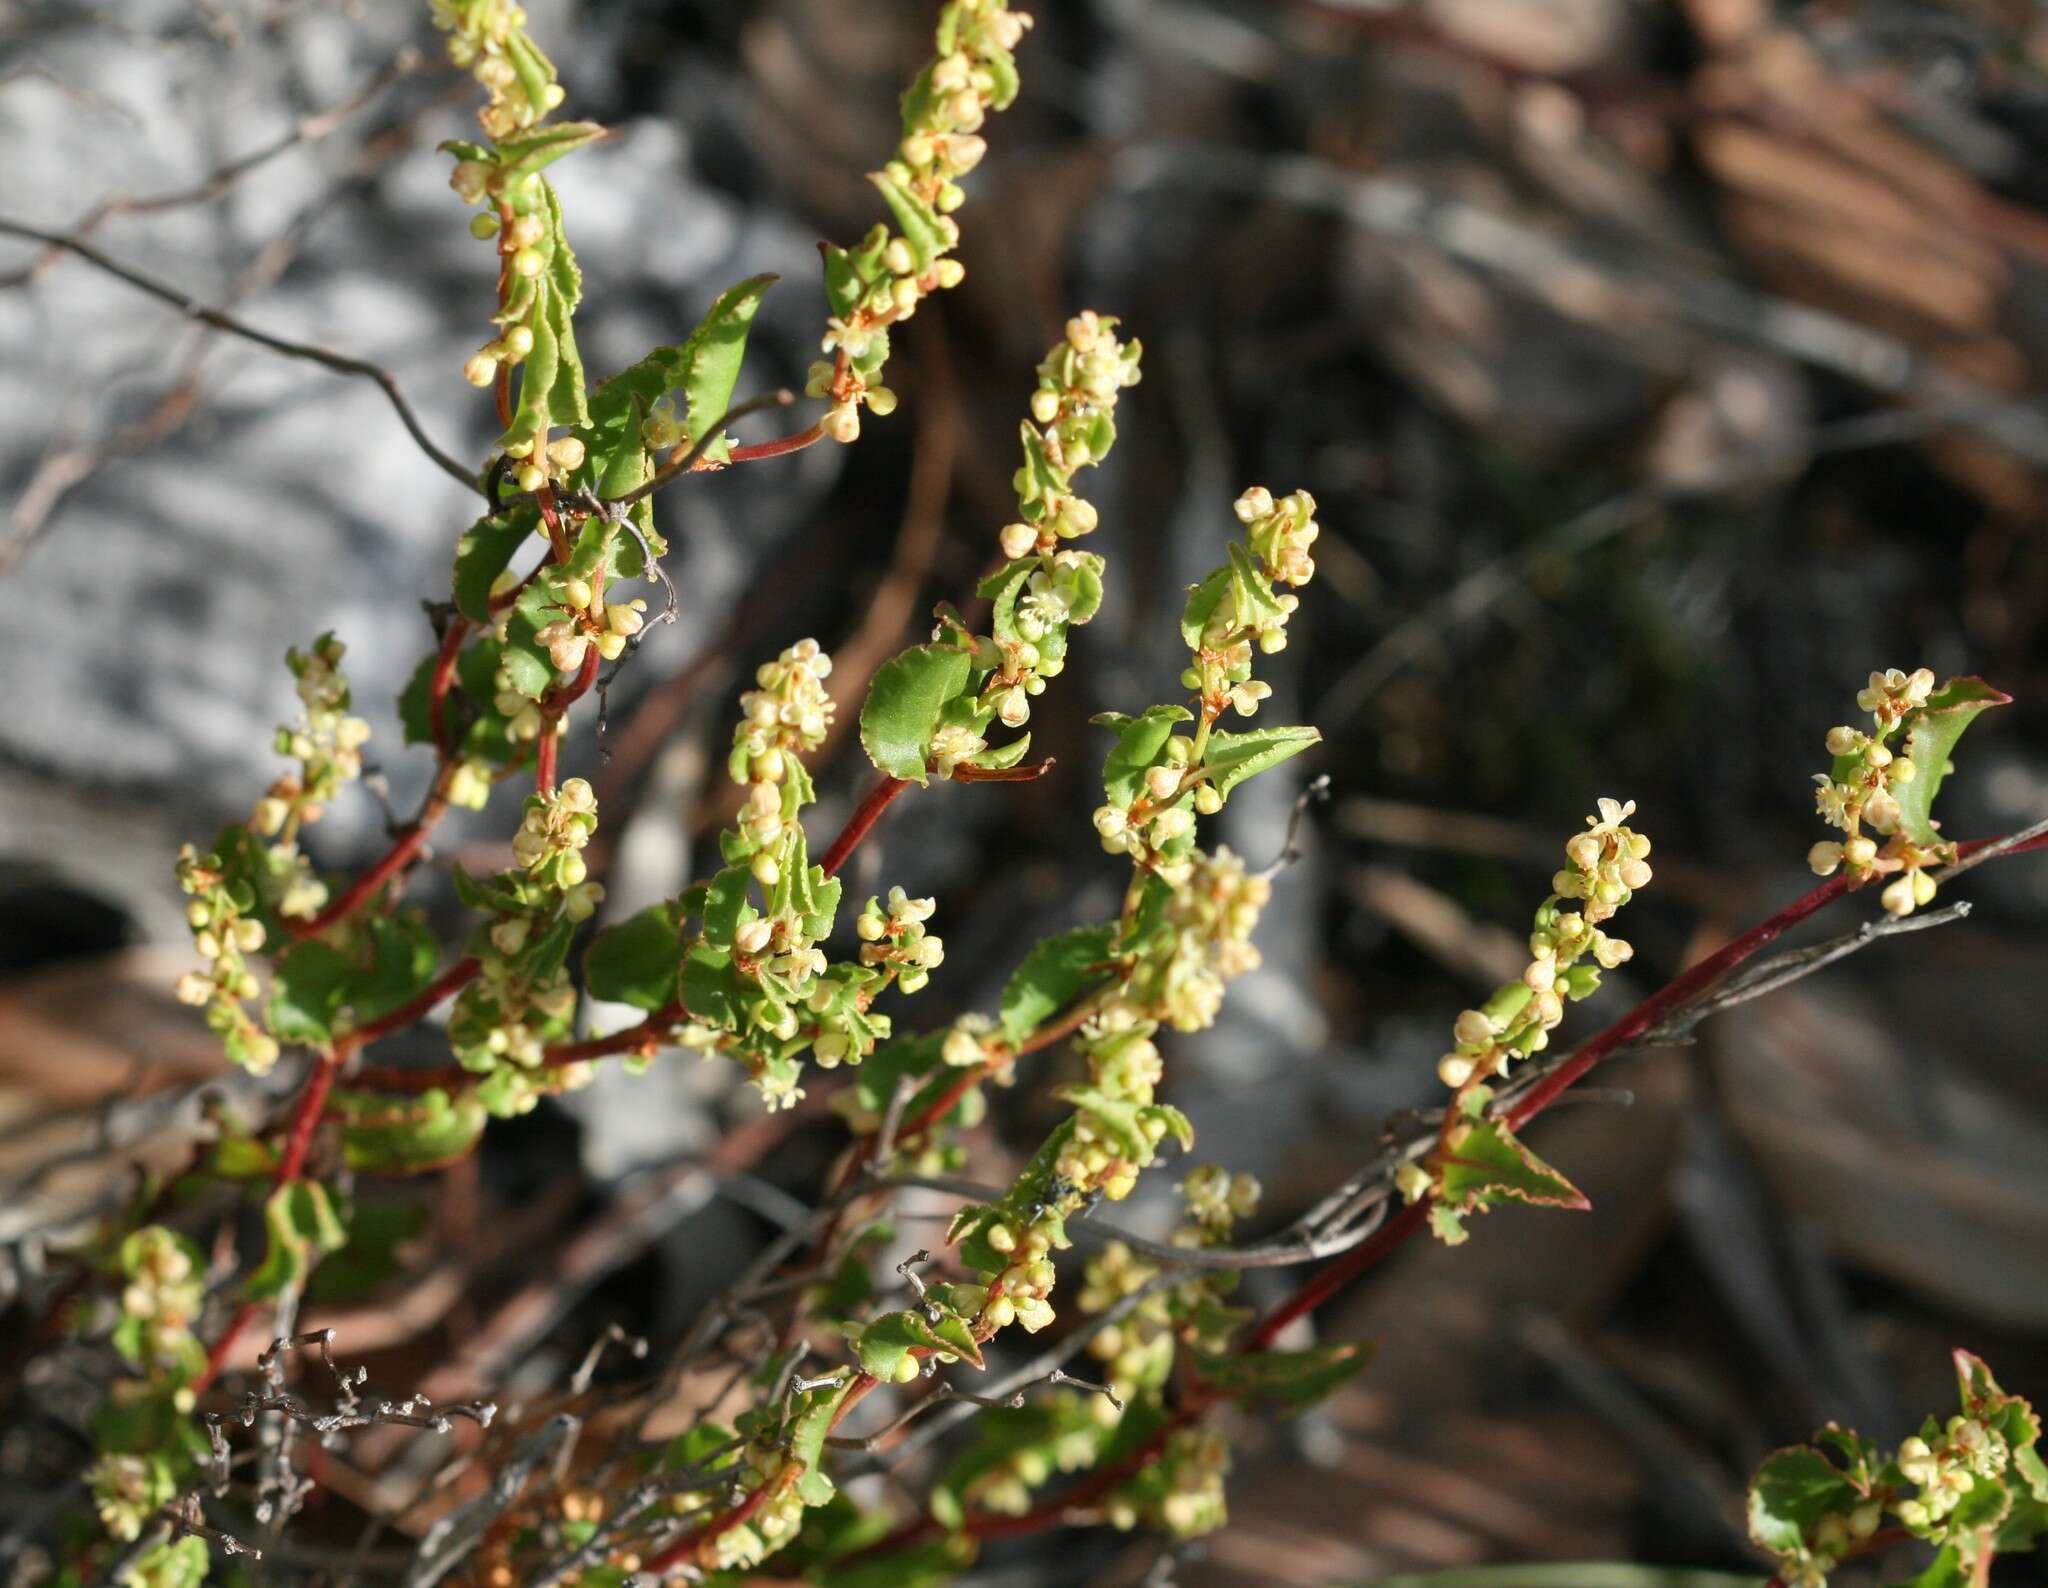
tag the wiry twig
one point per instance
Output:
(1040, 1369)
(327, 358)
(1316, 791)
(218, 183)
(1370, 1189)
(636, 1348)
(449, 1541)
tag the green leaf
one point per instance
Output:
(1489, 1166)
(1003, 589)
(711, 988)
(905, 704)
(568, 399)
(303, 1229)
(636, 961)
(381, 1134)
(403, 956)
(1946, 1570)
(1931, 735)
(919, 223)
(884, 1344)
(1202, 600)
(1053, 975)
(1139, 741)
(313, 979)
(1001, 757)
(711, 358)
(1790, 1493)
(540, 147)
(526, 661)
(1256, 605)
(485, 550)
(378, 1232)
(1297, 1380)
(1233, 757)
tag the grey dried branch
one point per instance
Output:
(220, 320)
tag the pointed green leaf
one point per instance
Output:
(540, 147)
(905, 705)
(1489, 1166)
(303, 1228)
(1053, 975)
(1296, 1380)
(1790, 1493)
(382, 1134)
(919, 223)
(636, 962)
(485, 550)
(1233, 757)
(1930, 739)
(1202, 601)
(1139, 741)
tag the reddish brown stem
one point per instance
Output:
(781, 446)
(1675, 995)
(683, 1548)
(857, 825)
(394, 860)
(298, 1141)
(446, 985)
(544, 760)
(443, 681)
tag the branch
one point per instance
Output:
(220, 320)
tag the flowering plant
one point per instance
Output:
(765, 964)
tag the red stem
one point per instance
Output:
(1321, 1286)
(443, 680)
(779, 447)
(1401, 1227)
(544, 760)
(687, 1545)
(857, 825)
(394, 860)
(446, 985)
(298, 1142)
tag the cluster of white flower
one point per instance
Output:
(1606, 864)
(224, 932)
(1184, 1494)
(1859, 790)
(128, 1491)
(489, 38)
(550, 841)
(1947, 1468)
(787, 713)
(1213, 911)
(522, 998)
(607, 626)
(972, 74)
(894, 937)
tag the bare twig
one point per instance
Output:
(340, 363)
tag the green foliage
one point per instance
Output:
(1294, 1380)
(906, 704)
(1932, 732)
(1974, 1487)
(302, 1227)
(637, 961)
(388, 1135)
(1054, 976)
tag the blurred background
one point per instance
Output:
(1659, 368)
